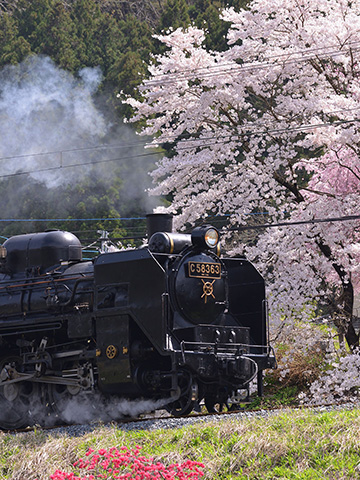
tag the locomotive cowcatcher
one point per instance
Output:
(172, 322)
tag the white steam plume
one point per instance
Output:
(46, 109)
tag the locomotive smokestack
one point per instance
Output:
(158, 222)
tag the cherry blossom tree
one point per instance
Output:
(269, 125)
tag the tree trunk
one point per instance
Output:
(345, 303)
(343, 307)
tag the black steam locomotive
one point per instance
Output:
(169, 324)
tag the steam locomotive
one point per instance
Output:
(170, 325)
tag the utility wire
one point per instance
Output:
(226, 139)
(286, 224)
(68, 219)
(168, 139)
(192, 74)
(313, 52)
(346, 218)
(73, 165)
(108, 146)
(261, 227)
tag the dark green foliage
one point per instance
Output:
(175, 15)
(31, 15)
(77, 36)
(90, 198)
(236, 4)
(126, 71)
(205, 15)
(137, 36)
(54, 36)
(13, 47)
(89, 25)
(128, 67)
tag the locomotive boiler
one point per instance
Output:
(172, 323)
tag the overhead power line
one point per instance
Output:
(140, 235)
(287, 224)
(221, 139)
(68, 219)
(263, 226)
(246, 67)
(304, 55)
(73, 165)
(346, 218)
(107, 146)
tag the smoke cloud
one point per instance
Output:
(83, 408)
(90, 408)
(51, 126)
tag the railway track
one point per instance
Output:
(162, 419)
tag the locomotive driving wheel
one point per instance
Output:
(20, 402)
(61, 397)
(74, 401)
(65, 400)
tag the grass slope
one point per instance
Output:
(286, 445)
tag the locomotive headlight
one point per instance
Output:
(205, 237)
(211, 237)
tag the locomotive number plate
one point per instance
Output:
(204, 270)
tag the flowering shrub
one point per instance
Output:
(301, 352)
(340, 382)
(128, 464)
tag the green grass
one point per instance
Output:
(277, 397)
(299, 445)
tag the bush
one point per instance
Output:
(128, 464)
(340, 382)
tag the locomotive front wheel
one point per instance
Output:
(188, 397)
(183, 406)
(20, 402)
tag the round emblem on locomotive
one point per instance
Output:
(208, 290)
(111, 351)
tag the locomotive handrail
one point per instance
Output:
(222, 348)
(71, 299)
(249, 380)
(248, 345)
(62, 279)
(7, 330)
(156, 260)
